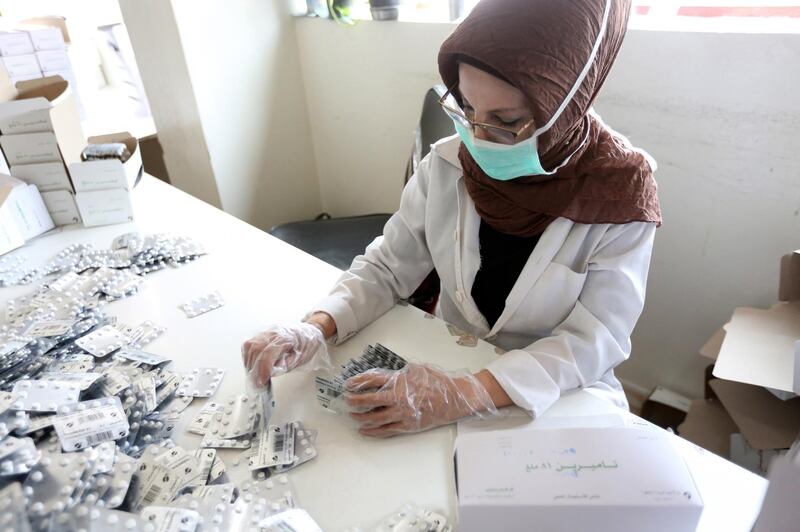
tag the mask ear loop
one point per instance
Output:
(576, 150)
(574, 89)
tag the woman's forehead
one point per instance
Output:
(481, 87)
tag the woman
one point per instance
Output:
(537, 217)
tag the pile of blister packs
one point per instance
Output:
(87, 417)
(330, 388)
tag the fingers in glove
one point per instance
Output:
(371, 400)
(264, 370)
(369, 380)
(386, 431)
(378, 417)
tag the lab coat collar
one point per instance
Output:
(447, 149)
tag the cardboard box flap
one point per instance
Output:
(759, 345)
(709, 426)
(765, 421)
(789, 286)
(52, 88)
(712, 347)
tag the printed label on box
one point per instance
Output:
(104, 207)
(30, 148)
(62, 207)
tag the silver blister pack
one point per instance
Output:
(201, 305)
(204, 418)
(44, 396)
(201, 382)
(103, 341)
(293, 519)
(239, 417)
(143, 357)
(84, 381)
(17, 456)
(12, 509)
(49, 328)
(168, 519)
(90, 423)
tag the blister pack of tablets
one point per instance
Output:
(330, 387)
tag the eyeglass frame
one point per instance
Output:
(472, 123)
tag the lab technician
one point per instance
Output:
(538, 218)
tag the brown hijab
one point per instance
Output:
(541, 47)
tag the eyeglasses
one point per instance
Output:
(499, 134)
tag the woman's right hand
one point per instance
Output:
(282, 348)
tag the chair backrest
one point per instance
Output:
(434, 124)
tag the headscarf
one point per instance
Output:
(541, 47)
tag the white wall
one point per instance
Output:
(718, 111)
(364, 87)
(244, 97)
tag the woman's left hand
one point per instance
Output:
(415, 398)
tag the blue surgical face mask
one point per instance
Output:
(505, 162)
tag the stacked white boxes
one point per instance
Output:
(40, 134)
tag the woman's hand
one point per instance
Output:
(414, 399)
(282, 348)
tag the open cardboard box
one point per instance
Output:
(41, 106)
(762, 346)
(103, 187)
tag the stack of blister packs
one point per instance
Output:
(87, 417)
(330, 388)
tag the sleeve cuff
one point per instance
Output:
(342, 315)
(525, 381)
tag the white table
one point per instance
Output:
(354, 480)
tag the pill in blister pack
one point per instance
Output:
(49, 328)
(239, 417)
(291, 519)
(201, 382)
(44, 396)
(90, 423)
(275, 447)
(201, 305)
(103, 341)
(17, 456)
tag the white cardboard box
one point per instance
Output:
(53, 60)
(15, 43)
(62, 207)
(109, 173)
(600, 479)
(28, 115)
(47, 39)
(46, 176)
(21, 65)
(23, 214)
(53, 108)
(105, 207)
(30, 148)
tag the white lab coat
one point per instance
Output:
(568, 319)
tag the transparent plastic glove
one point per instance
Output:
(282, 348)
(415, 398)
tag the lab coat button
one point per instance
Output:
(459, 296)
(455, 235)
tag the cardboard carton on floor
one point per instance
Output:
(766, 424)
(601, 479)
(44, 105)
(762, 346)
(710, 426)
(23, 214)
